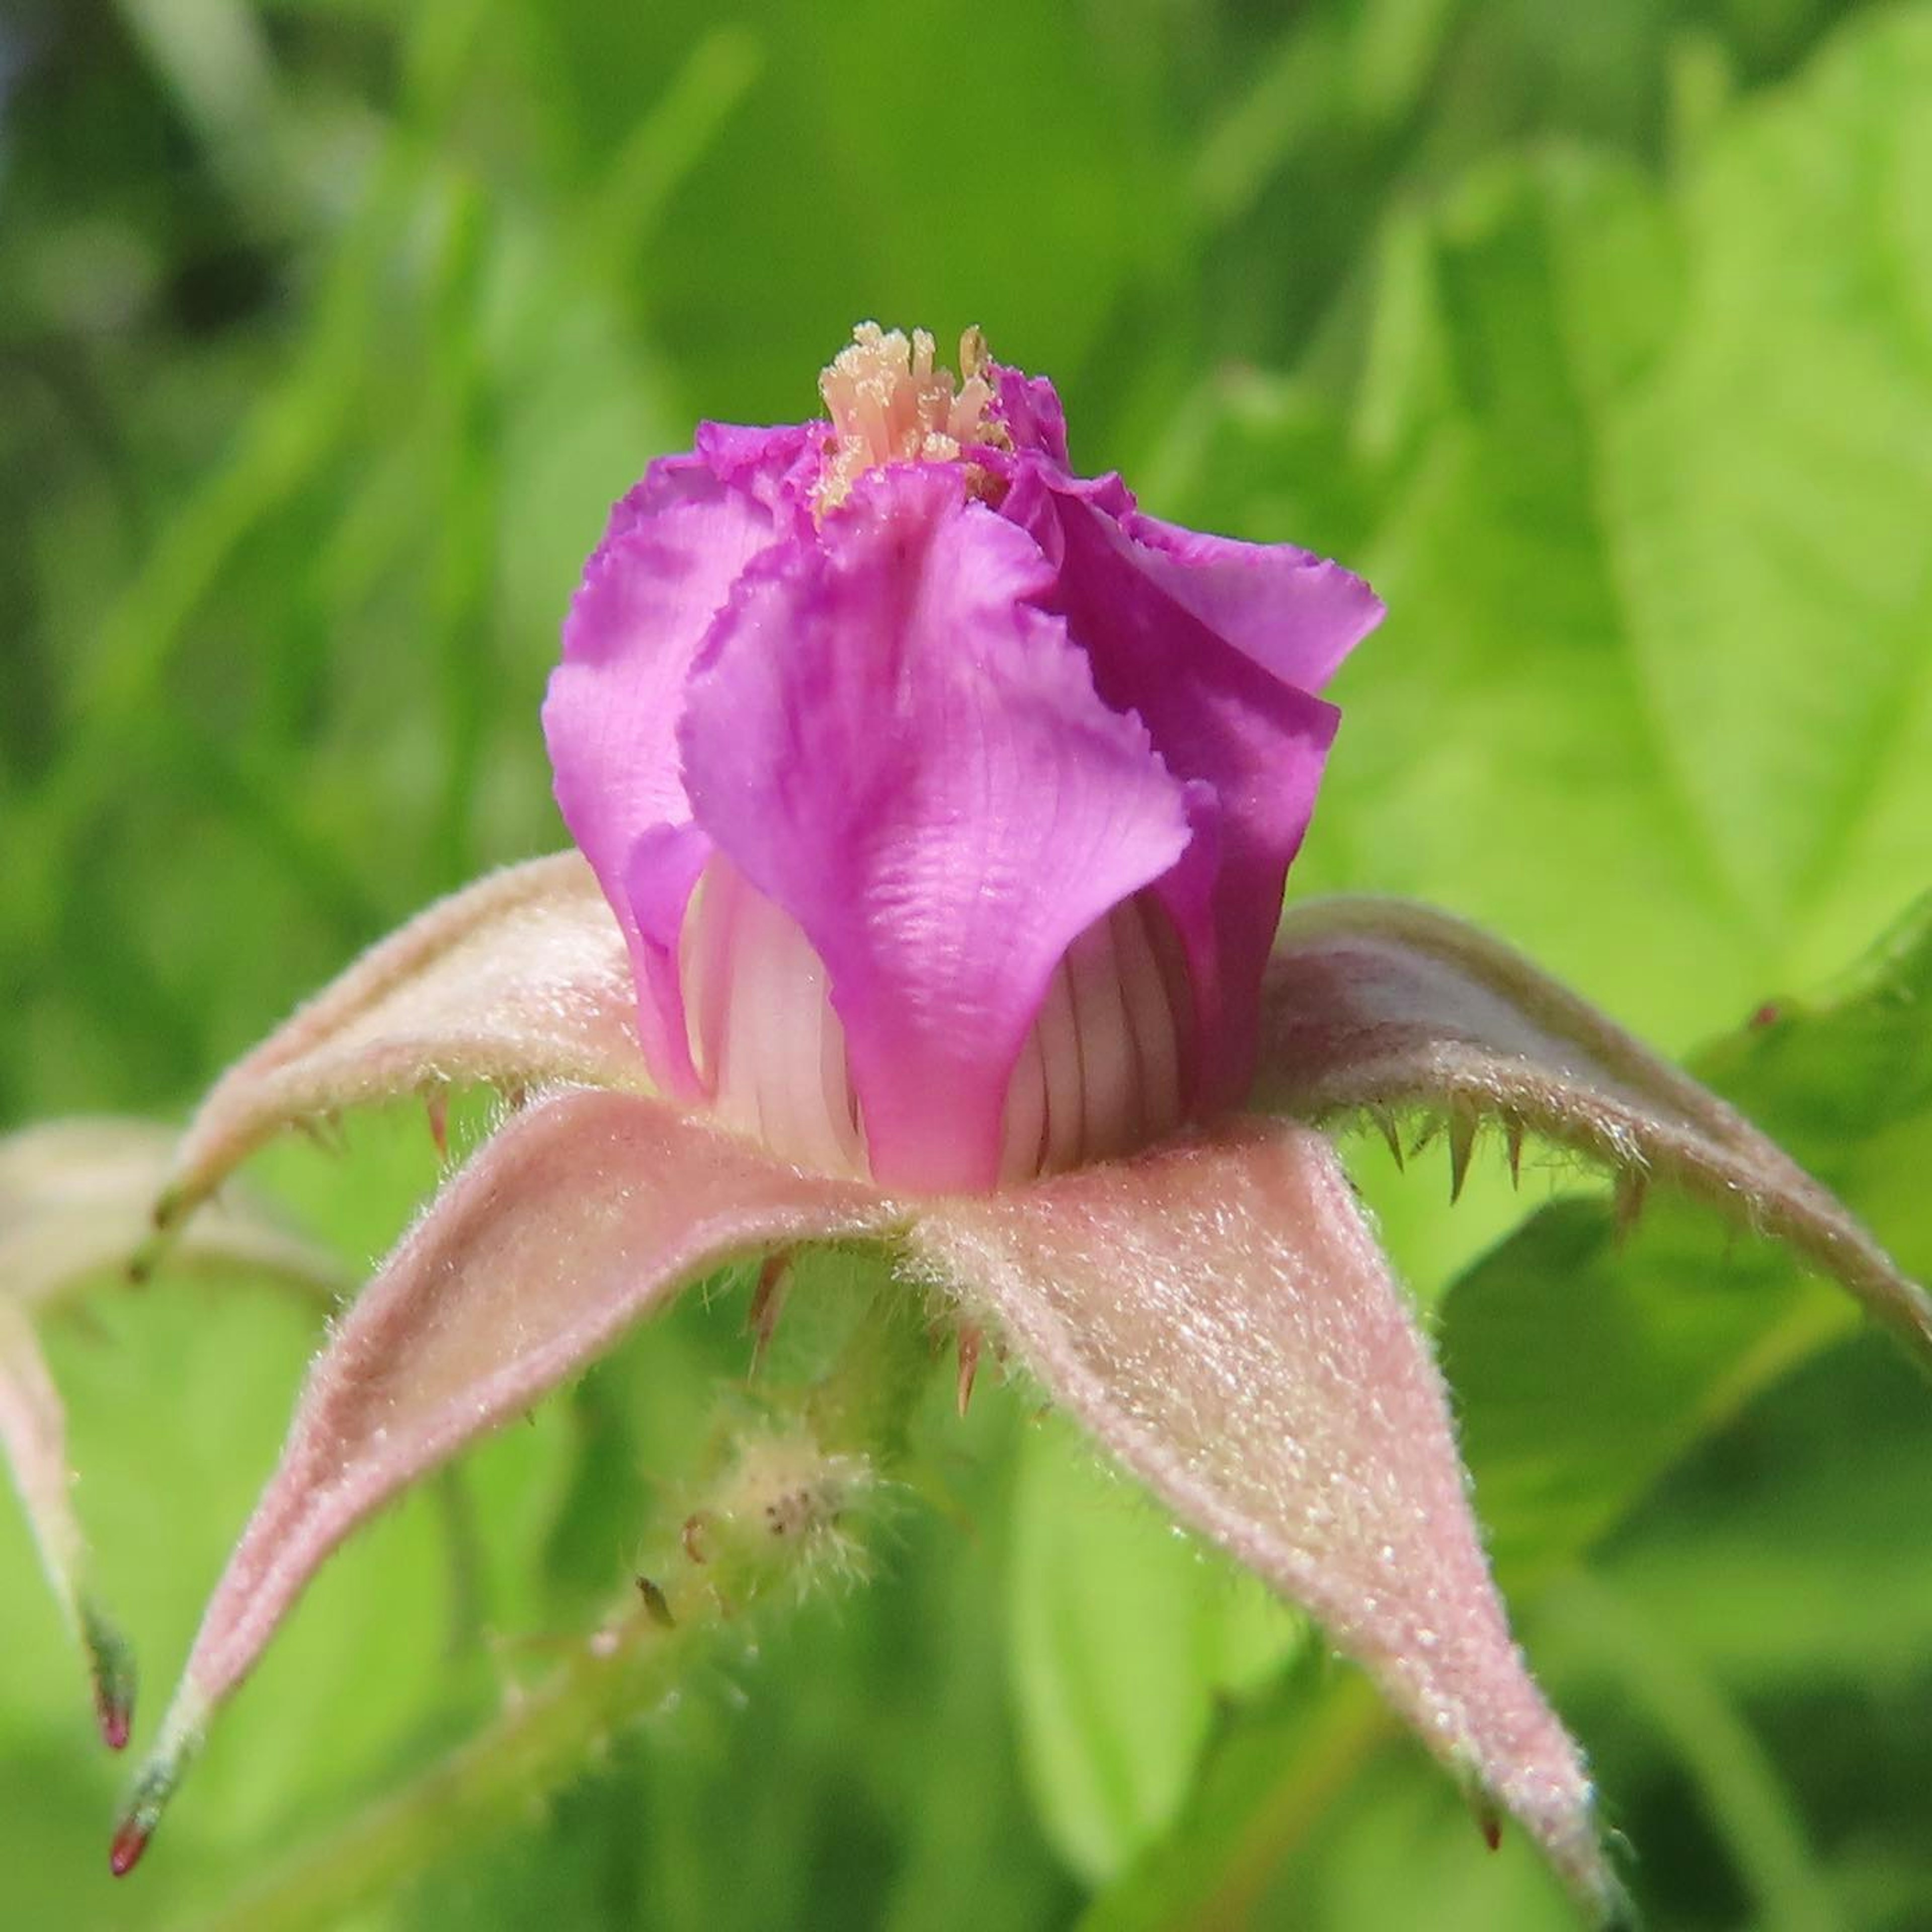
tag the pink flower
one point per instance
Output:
(911, 764)
(937, 805)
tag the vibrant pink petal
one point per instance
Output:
(674, 547)
(1220, 1318)
(923, 778)
(585, 1213)
(1030, 407)
(1294, 613)
(1252, 747)
(1375, 1003)
(519, 979)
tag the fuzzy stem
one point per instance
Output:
(541, 1738)
(682, 1617)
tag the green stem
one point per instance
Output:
(693, 1607)
(543, 1738)
(1275, 1775)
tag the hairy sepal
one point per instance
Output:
(74, 1201)
(585, 1213)
(33, 1439)
(1219, 1318)
(1371, 1004)
(518, 981)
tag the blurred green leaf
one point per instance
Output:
(1126, 1637)
(1612, 444)
(1639, 622)
(1587, 1366)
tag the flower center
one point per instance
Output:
(1101, 1072)
(888, 404)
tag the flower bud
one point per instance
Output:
(945, 799)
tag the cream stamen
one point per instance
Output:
(890, 404)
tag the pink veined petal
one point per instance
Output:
(1030, 407)
(519, 979)
(1295, 613)
(1377, 1002)
(584, 1214)
(1218, 1316)
(674, 547)
(923, 777)
(1251, 748)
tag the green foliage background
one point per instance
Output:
(1600, 337)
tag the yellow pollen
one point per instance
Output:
(888, 404)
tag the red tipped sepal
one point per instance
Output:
(111, 1665)
(130, 1840)
(167, 1764)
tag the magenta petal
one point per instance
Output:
(673, 548)
(1030, 407)
(1296, 613)
(923, 777)
(1253, 746)
(584, 1213)
(1220, 1319)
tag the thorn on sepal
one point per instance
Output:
(1632, 1186)
(130, 1840)
(1462, 1144)
(116, 1722)
(656, 1606)
(1390, 1133)
(970, 1342)
(768, 1300)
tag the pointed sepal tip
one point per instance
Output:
(111, 1665)
(130, 1840)
(160, 1778)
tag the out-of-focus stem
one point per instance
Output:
(543, 1737)
(705, 1597)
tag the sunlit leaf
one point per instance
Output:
(1126, 1640)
